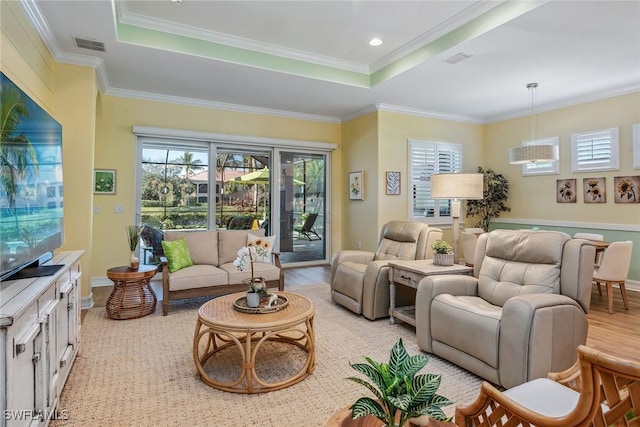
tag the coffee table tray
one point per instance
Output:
(241, 305)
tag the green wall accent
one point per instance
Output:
(495, 17)
(609, 236)
(193, 46)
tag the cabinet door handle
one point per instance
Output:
(36, 358)
(21, 343)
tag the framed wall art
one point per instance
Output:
(104, 181)
(356, 185)
(626, 189)
(393, 183)
(566, 191)
(594, 190)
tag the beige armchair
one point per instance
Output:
(360, 279)
(521, 315)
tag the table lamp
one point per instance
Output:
(458, 187)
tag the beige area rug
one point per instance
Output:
(140, 372)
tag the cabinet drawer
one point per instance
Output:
(48, 298)
(406, 278)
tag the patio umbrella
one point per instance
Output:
(261, 176)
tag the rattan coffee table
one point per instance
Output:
(220, 326)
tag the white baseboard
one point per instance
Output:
(87, 302)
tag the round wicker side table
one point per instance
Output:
(132, 295)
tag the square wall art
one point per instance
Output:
(594, 190)
(566, 191)
(626, 189)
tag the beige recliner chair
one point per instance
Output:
(521, 315)
(360, 279)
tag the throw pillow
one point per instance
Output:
(262, 247)
(177, 254)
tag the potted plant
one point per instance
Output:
(442, 253)
(496, 192)
(133, 236)
(400, 392)
(257, 285)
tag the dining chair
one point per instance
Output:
(613, 269)
(598, 390)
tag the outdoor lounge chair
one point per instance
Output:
(307, 229)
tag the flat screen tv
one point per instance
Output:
(31, 191)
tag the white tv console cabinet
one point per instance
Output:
(40, 333)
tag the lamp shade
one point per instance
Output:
(457, 186)
(531, 154)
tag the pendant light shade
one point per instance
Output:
(532, 153)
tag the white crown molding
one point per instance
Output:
(360, 113)
(125, 93)
(467, 15)
(429, 114)
(611, 93)
(571, 224)
(138, 20)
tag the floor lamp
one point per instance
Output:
(458, 187)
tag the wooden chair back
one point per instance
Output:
(609, 395)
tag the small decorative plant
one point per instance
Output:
(244, 261)
(441, 247)
(133, 235)
(398, 388)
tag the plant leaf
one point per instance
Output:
(397, 358)
(367, 406)
(371, 387)
(373, 374)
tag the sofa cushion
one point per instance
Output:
(263, 247)
(469, 324)
(177, 254)
(197, 276)
(203, 245)
(267, 271)
(230, 241)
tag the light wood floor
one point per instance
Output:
(617, 333)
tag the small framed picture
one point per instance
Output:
(626, 189)
(104, 181)
(393, 183)
(594, 190)
(356, 185)
(566, 191)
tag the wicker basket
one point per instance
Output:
(442, 259)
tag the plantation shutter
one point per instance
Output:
(425, 159)
(595, 150)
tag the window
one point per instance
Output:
(543, 168)
(594, 151)
(426, 159)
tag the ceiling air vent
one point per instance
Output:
(457, 58)
(89, 44)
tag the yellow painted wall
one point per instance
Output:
(360, 151)
(395, 132)
(116, 149)
(534, 196)
(76, 92)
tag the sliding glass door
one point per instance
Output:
(302, 206)
(190, 185)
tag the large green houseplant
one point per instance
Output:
(399, 389)
(492, 204)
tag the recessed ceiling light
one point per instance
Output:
(375, 42)
(176, 2)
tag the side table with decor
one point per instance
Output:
(132, 295)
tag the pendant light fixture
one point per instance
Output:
(532, 153)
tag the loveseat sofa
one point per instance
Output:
(523, 313)
(212, 271)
